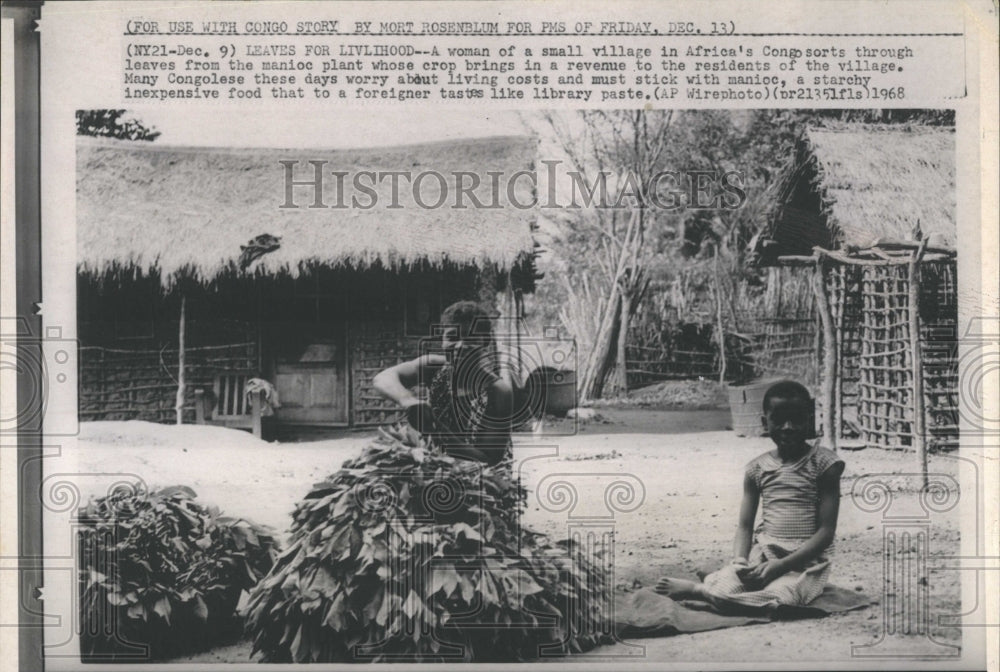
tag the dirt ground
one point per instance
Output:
(684, 470)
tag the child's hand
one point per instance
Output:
(755, 578)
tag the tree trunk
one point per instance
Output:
(181, 358)
(720, 325)
(603, 357)
(830, 373)
(604, 354)
(624, 316)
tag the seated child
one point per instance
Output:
(798, 489)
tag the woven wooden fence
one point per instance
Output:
(886, 391)
(771, 332)
(141, 384)
(376, 346)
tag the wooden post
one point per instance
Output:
(200, 415)
(916, 359)
(818, 341)
(829, 354)
(256, 412)
(838, 300)
(258, 318)
(179, 403)
(504, 349)
(518, 316)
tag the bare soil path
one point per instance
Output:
(684, 469)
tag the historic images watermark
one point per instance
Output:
(324, 187)
(544, 365)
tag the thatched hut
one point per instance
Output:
(314, 292)
(872, 210)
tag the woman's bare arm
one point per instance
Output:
(499, 414)
(500, 405)
(397, 382)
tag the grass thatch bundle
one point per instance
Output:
(855, 186)
(187, 211)
(879, 182)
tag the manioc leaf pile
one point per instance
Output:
(161, 574)
(405, 554)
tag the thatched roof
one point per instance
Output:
(866, 184)
(187, 211)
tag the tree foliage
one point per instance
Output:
(612, 158)
(113, 124)
(683, 265)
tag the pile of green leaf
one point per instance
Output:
(161, 574)
(409, 555)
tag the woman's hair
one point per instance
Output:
(471, 318)
(475, 324)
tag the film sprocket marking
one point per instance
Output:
(47, 362)
(978, 371)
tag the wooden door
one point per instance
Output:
(312, 382)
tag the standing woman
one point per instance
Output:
(468, 415)
(414, 550)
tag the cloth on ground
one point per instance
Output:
(792, 588)
(646, 613)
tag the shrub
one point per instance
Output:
(161, 573)
(406, 555)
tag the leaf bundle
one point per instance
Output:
(406, 554)
(161, 573)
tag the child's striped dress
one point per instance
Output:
(789, 503)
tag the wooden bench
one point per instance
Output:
(228, 405)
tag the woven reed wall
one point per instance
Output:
(875, 384)
(141, 384)
(773, 334)
(376, 346)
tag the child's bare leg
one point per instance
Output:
(681, 589)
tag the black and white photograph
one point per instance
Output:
(403, 403)
(499, 334)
